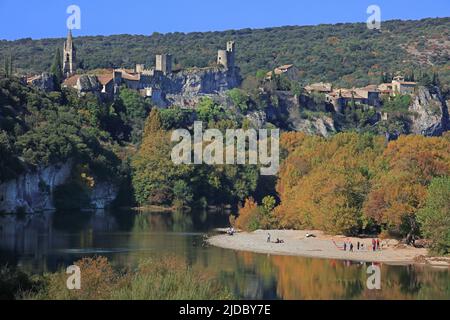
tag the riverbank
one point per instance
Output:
(323, 246)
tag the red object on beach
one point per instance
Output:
(337, 245)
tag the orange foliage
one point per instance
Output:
(342, 183)
(248, 216)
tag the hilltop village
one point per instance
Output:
(164, 86)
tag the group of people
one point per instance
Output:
(231, 231)
(348, 246)
(276, 241)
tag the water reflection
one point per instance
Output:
(46, 242)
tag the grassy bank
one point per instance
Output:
(160, 279)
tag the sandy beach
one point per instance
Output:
(322, 246)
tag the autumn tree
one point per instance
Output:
(399, 190)
(249, 216)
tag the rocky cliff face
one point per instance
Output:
(187, 87)
(103, 194)
(33, 191)
(287, 116)
(430, 113)
(202, 81)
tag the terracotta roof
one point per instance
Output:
(348, 94)
(32, 78)
(371, 88)
(130, 76)
(320, 86)
(105, 78)
(286, 66)
(71, 81)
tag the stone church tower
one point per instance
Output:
(69, 56)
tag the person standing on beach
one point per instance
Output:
(268, 237)
(378, 244)
(358, 246)
(351, 247)
(345, 246)
(374, 244)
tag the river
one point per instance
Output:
(50, 241)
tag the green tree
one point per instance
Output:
(56, 68)
(182, 193)
(154, 173)
(208, 110)
(435, 216)
(8, 66)
(268, 204)
(240, 99)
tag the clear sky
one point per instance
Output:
(47, 18)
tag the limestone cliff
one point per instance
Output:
(33, 191)
(429, 112)
(186, 87)
(202, 81)
(287, 115)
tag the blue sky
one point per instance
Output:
(47, 18)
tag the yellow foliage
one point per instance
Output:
(341, 183)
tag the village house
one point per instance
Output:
(397, 86)
(319, 87)
(400, 86)
(342, 98)
(289, 70)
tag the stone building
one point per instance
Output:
(343, 98)
(164, 63)
(160, 84)
(227, 58)
(69, 56)
(319, 87)
(288, 70)
(398, 86)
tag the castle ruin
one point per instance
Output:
(163, 85)
(164, 63)
(226, 58)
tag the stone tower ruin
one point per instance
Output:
(226, 58)
(69, 56)
(164, 63)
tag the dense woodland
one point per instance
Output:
(346, 54)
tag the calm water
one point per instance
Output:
(47, 242)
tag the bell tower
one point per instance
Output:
(69, 56)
